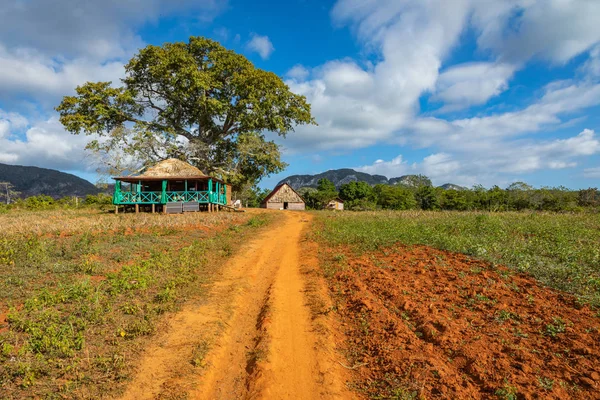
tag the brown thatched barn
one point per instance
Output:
(283, 197)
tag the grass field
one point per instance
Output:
(80, 291)
(560, 250)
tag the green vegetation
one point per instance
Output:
(507, 392)
(556, 327)
(42, 202)
(81, 291)
(560, 250)
(195, 101)
(418, 193)
(325, 192)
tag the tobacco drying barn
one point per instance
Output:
(283, 197)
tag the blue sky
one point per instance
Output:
(468, 91)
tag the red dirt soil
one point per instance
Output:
(424, 323)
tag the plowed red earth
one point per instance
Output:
(420, 322)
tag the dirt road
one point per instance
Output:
(253, 338)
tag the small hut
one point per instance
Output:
(172, 186)
(283, 197)
(335, 204)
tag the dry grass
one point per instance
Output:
(69, 222)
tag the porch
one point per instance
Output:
(169, 195)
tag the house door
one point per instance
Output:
(285, 205)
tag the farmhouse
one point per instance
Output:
(171, 186)
(335, 204)
(283, 197)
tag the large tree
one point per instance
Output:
(196, 101)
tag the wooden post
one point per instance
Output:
(116, 209)
(153, 208)
(137, 208)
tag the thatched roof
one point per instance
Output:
(173, 168)
(168, 169)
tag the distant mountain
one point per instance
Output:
(411, 181)
(345, 175)
(337, 176)
(33, 181)
(452, 186)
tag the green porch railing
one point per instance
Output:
(168, 197)
(187, 196)
(138, 197)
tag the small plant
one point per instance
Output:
(545, 383)
(166, 295)
(130, 309)
(556, 327)
(256, 221)
(339, 257)
(507, 392)
(404, 394)
(504, 315)
(137, 328)
(199, 354)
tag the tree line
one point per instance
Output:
(44, 202)
(420, 194)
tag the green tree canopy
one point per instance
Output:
(453, 200)
(356, 190)
(325, 185)
(318, 198)
(426, 198)
(195, 101)
(395, 197)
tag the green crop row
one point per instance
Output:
(560, 250)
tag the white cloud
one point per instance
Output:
(298, 72)
(45, 144)
(469, 84)
(593, 173)
(95, 29)
(487, 133)
(391, 169)
(44, 58)
(41, 77)
(440, 164)
(591, 68)
(13, 119)
(440, 167)
(361, 105)
(555, 30)
(4, 128)
(496, 165)
(356, 106)
(261, 45)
